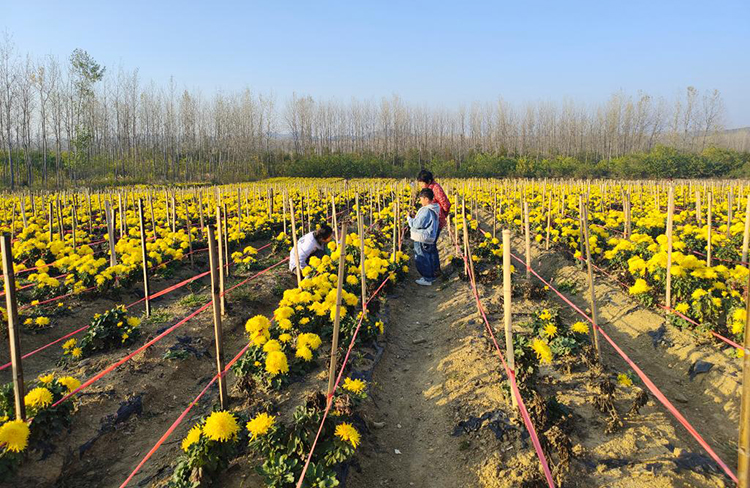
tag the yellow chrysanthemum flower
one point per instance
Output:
(69, 382)
(45, 379)
(347, 433)
(283, 313)
(39, 397)
(276, 363)
(14, 435)
(580, 328)
(309, 340)
(192, 437)
(271, 346)
(639, 287)
(261, 424)
(41, 321)
(550, 330)
(354, 386)
(542, 350)
(699, 293)
(220, 426)
(304, 353)
(257, 323)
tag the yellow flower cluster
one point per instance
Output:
(261, 424)
(14, 435)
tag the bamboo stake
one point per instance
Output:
(239, 210)
(467, 248)
(507, 305)
(670, 224)
(49, 218)
(592, 292)
(698, 216)
(309, 215)
(216, 296)
(294, 242)
(730, 209)
(333, 220)
(494, 216)
(283, 210)
(13, 224)
(23, 211)
(99, 205)
(363, 276)
(455, 227)
(111, 234)
(222, 259)
(225, 235)
(146, 291)
(369, 204)
(90, 214)
(123, 225)
(527, 234)
(337, 316)
(200, 211)
(153, 218)
(74, 219)
(743, 451)
(174, 213)
(60, 229)
(14, 337)
(746, 233)
(189, 225)
(398, 220)
(393, 231)
(448, 225)
(549, 222)
(709, 245)
(628, 215)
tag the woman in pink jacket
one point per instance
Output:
(426, 180)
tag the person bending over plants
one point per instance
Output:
(311, 244)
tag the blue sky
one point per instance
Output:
(426, 51)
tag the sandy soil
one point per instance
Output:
(709, 401)
(440, 375)
(102, 446)
(439, 413)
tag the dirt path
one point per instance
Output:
(439, 381)
(709, 401)
(434, 372)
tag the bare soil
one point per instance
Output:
(439, 412)
(119, 418)
(441, 415)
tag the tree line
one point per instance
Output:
(76, 122)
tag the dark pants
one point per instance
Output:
(318, 254)
(427, 259)
(437, 256)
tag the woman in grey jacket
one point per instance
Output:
(424, 231)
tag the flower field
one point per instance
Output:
(159, 338)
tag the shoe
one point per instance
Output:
(424, 282)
